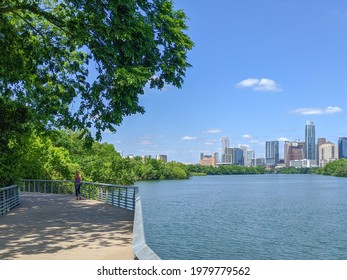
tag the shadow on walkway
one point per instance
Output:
(50, 226)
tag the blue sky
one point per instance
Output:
(261, 69)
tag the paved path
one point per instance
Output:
(58, 227)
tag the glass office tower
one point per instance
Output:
(343, 147)
(272, 152)
(310, 141)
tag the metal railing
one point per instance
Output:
(116, 195)
(119, 196)
(9, 198)
(47, 186)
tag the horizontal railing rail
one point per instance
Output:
(9, 198)
(120, 196)
(116, 195)
(47, 186)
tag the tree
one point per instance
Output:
(336, 168)
(49, 48)
(15, 129)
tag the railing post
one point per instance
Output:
(126, 198)
(119, 196)
(112, 195)
(134, 197)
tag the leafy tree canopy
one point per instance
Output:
(49, 47)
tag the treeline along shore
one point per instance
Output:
(58, 154)
(335, 168)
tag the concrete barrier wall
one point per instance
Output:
(140, 248)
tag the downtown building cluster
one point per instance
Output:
(308, 153)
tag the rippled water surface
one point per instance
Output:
(247, 217)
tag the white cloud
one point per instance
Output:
(259, 84)
(254, 141)
(246, 136)
(145, 142)
(317, 111)
(248, 83)
(188, 138)
(282, 139)
(212, 131)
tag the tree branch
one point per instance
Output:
(37, 11)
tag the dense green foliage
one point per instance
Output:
(49, 47)
(81, 65)
(294, 170)
(14, 129)
(58, 155)
(335, 168)
(225, 170)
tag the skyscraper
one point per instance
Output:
(238, 156)
(310, 141)
(327, 153)
(342, 147)
(225, 145)
(250, 156)
(293, 151)
(272, 152)
(244, 149)
(227, 156)
(320, 142)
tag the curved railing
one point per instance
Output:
(116, 195)
(9, 198)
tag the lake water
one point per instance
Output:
(254, 217)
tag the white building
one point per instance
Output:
(303, 163)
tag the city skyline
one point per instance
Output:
(257, 76)
(310, 153)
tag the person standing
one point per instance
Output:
(78, 183)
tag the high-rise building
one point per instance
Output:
(320, 141)
(216, 157)
(293, 151)
(244, 149)
(250, 156)
(342, 147)
(272, 153)
(208, 160)
(227, 156)
(327, 152)
(310, 140)
(258, 162)
(162, 158)
(237, 156)
(225, 145)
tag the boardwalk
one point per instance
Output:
(57, 227)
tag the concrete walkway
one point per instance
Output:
(58, 227)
